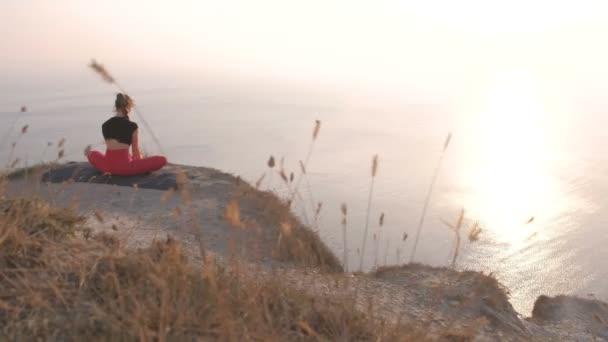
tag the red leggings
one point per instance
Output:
(119, 162)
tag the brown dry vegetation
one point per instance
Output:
(58, 282)
(295, 241)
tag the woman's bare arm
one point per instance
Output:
(135, 145)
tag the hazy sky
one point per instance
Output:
(433, 44)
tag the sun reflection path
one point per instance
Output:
(509, 169)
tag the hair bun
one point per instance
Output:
(123, 103)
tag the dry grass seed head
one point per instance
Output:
(474, 232)
(316, 130)
(447, 141)
(101, 70)
(271, 162)
(375, 165)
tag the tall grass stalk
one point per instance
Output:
(344, 211)
(106, 76)
(183, 185)
(8, 132)
(304, 210)
(10, 162)
(404, 239)
(386, 248)
(378, 238)
(304, 165)
(369, 207)
(310, 195)
(287, 180)
(318, 215)
(271, 163)
(428, 196)
(258, 182)
(456, 229)
(46, 148)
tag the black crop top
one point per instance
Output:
(119, 128)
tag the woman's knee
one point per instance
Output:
(97, 159)
(158, 161)
(92, 155)
(148, 164)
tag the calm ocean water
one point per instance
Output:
(533, 173)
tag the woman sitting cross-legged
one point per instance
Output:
(120, 133)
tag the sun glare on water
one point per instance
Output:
(512, 186)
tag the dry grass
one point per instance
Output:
(302, 245)
(474, 232)
(368, 211)
(344, 210)
(427, 199)
(377, 239)
(61, 283)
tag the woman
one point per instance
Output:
(120, 133)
